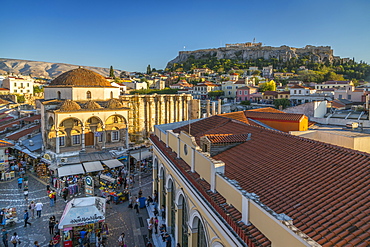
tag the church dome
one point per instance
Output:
(69, 105)
(80, 78)
(91, 105)
(114, 103)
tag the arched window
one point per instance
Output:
(202, 241)
(88, 95)
(184, 226)
(173, 209)
(111, 94)
(59, 95)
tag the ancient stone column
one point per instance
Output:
(213, 108)
(57, 149)
(208, 106)
(219, 106)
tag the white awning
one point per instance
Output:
(93, 166)
(70, 170)
(112, 163)
(82, 211)
(144, 154)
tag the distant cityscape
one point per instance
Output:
(242, 145)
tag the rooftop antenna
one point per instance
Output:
(254, 40)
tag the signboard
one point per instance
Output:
(89, 186)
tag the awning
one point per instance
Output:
(82, 211)
(112, 163)
(93, 166)
(144, 154)
(70, 170)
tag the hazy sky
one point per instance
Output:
(132, 34)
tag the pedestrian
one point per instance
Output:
(136, 206)
(155, 211)
(4, 234)
(20, 182)
(26, 217)
(178, 245)
(51, 225)
(121, 239)
(2, 213)
(163, 212)
(168, 240)
(54, 196)
(150, 228)
(162, 230)
(56, 227)
(51, 199)
(15, 239)
(65, 194)
(31, 207)
(56, 240)
(149, 244)
(50, 243)
(156, 225)
(36, 244)
(25, 193)
(82, 237)
(38, 208)
(25, 180)
(130, 202)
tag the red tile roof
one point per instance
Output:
(227, 138)
(32, 118)
(322, 187)
(274, 116)
(18, 135)
(267, 109)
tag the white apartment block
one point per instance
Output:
(18, 85)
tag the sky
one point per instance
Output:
(130, 35)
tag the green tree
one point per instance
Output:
(20, 99)
(111, 72)
(284, 103)
(268, 86)
(37, 89)
(148, 70)
(216, 94)
(256, 73)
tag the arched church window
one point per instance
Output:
(59, 95)
(111, 94)
(88, 95)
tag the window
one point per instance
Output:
(15, 90)
(22, 84)
(240, 92)
(295, 91)
(59, 95)
(229, 92)
(300, 91)
(28, 91)
(28, 84)
(76, 139)
(61, 140)
(349, 97)
(88, 95)
(100, 137)
(229, 87)
(340, 96)
(15, 84)
(111, 94)
(115, 135)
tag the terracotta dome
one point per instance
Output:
(69, 105)
(114, 103)
(80, 78)
(91, 105)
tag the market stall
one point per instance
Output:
(93, 166)
(83, 218)
(70, 170)
(109, 188)
(112, 163)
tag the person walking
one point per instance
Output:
(25, 193)
(56, 240)
(65, 194)
(15, 239)
(121, 239)
(4, 234)
(2, 214)
(38, 208)
(168, 240)
(36, 244)
(150, 228)
(26, 217)
(51, 225)
(136, 206)
(31, 207)
(20, 182)
(155, 221)
(51, 199)
(163, 212)
(56, 227)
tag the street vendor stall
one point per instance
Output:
(70, 170)
(112, 163)
(83, 219)
(109, 188)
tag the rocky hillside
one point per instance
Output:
(242, 52)
(44, 69)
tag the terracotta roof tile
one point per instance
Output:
(22, 133)
(227, 138)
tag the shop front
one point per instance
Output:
(83, 221)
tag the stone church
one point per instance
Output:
(81, 110)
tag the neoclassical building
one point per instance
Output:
(82, 110)
(227, 181)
